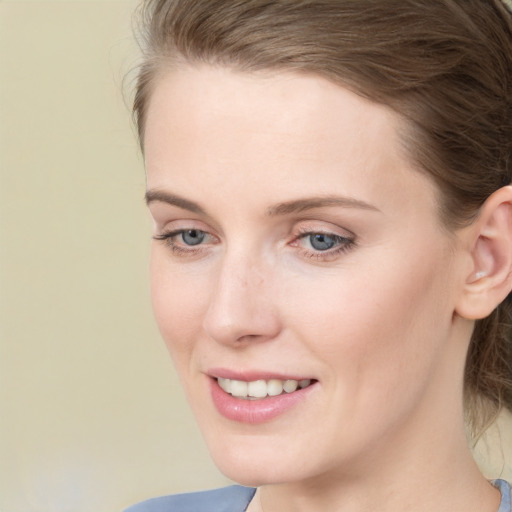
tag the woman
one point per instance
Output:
(330, 187)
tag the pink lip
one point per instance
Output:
(255, 411)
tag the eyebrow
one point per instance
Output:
(286, 208)
(174, 200)
(301, 205)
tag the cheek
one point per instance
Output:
(178, 304)
(376, 325)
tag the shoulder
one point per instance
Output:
(506, 492)
(228, 499)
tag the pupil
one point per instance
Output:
(321, 242)
(192, 236)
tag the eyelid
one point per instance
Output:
(326, 228)
(172, 233)
(345, 241)
(181, 224)
(169, 234)
(330, 234)
(165, 215)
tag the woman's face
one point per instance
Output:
(294, 242)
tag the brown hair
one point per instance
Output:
(444, 65)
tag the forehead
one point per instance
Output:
(211, 125)
(287, 103)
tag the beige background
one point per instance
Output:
(91, 414)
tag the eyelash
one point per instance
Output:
(168, 239)
(343, 244)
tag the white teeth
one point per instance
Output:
(225, 384)
(239, 388)
(290, 385)
(261, 388)
(274, 387)
(257, 389)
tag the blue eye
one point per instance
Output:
(323, 246)
(322, 242)
(193, 236)
(187, 242)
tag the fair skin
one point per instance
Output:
(294, 240)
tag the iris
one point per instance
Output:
(192, 236)
(322, 242)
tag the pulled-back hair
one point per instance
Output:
(444, 65)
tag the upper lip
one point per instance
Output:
(252, 375)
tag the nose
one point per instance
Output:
(242, 306)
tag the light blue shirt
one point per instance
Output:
(228, 499)
(506, 501)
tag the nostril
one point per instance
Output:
(249, 337)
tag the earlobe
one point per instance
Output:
(490, 280)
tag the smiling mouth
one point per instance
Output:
(258, 389)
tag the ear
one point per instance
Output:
(490, 246)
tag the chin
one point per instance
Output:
(255, 460)
(247, 459)
(255, 473)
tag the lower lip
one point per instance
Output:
(255, 411)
